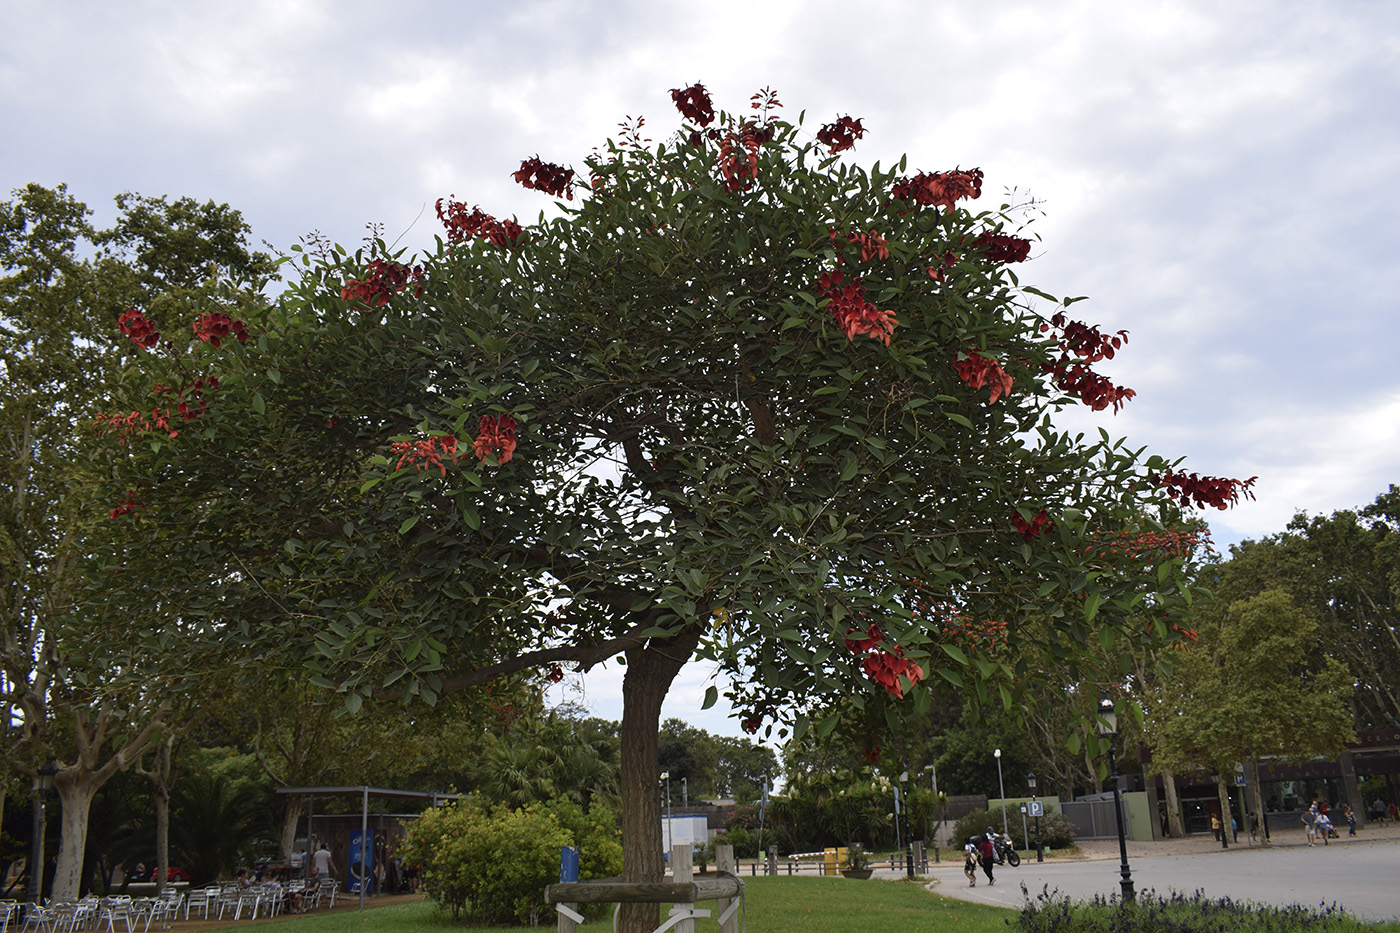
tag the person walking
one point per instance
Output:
(988, 851)
(970, 862)
(1351, 819)
(322, 865)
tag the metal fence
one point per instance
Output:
(1092, 818)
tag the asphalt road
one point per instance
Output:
(1361, 877)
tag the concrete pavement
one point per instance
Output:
(1359, 875)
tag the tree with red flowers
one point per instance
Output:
(742, 401)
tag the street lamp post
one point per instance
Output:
(666, 776)
(908, 835)
(934, 834)
(1039, 851)
(1108, 728)
(42, 784)
(997, 755)
(685, 793)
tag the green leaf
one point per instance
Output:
(711, 697)
(408, 523)
(259, 405)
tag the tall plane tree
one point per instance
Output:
(740, 401)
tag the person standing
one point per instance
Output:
(1351, 819)
(322, 865)
(1309, 819)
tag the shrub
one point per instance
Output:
(1052, 912)
(744, 842)
(1056, 831)
(492, 866)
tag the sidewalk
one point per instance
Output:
(1200, 843)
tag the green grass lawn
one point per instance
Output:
(771, 905)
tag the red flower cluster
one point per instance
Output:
(940, 189)
(753, 723)
(425, 453)
(1153, 546)
(840, 135)
(214, 326)
(1001, 247)
(1040, 525)
(872, 245)
(463, 224)
(1187, 635)
(128, 506)
(978, 371)
(496, 435)
(694, 104)
(1201, 491)
(386, 278)
(136, 423)
(886, 668)
(738, 155)
(852, 310)
(555, 675)
(137, 328)
(547, 177)
(872, 754)
(1081, 345)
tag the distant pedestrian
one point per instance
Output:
(988, 851)
(1309, 820)
(1324, 828)
(1351, 819)
(970, 862)
(1215, 826)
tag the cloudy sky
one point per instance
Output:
(1223, 180)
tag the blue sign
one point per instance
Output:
(1037, 808)
(361, 860)
(568, 864)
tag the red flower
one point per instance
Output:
(496, 435)
(977, 371)
(852, 310)
(694, 104)
(1192, 489)
(1001, 247)
(128, 506)
(547, 177)
(738, 155)
(940, 189)
(462, 224)
(137, 328)
(425, 453)
(386, 278)
(555, 675)
(214, 326)
(840, 135)
(1040, 525)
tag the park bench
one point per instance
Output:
(682, 892)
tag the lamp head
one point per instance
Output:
(1108, 719)
(1030, 780)
(996, 754)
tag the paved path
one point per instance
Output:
(1360, 875)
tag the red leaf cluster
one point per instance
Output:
(137, 328)
(425, 453)
(214, 326)
(978, 371)
(852, 310)
(496, 435)
(886, 668)
(386, 278)
(940, 189)
(1002, 247)
(552, 179)
(840, 135)
(462, 224)
(1201, 491)
(694, 104)
(128, 506)
(1039, 525)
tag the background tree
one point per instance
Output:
(1254, 685)
(74, 675)
(744, 402)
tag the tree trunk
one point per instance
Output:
(75, 791)
(1259, 813)
(1174, 822)
(1223, 792)
(650, 671)
(291, 815)
(162, 804)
